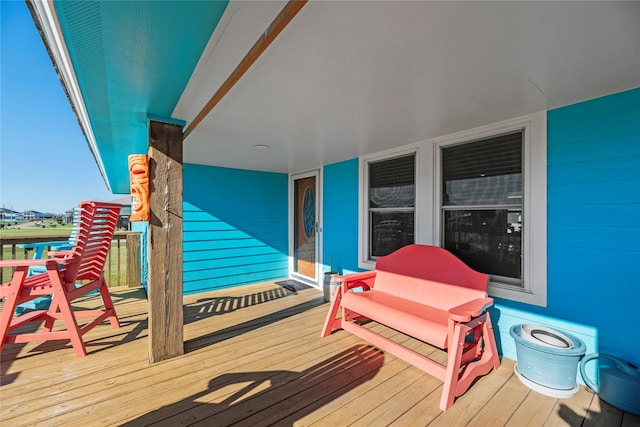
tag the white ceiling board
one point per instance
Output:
(242, 23)
(351, 78)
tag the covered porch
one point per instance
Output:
(386, 81)
(254, 357)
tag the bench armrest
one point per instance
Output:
(465, 312)
(355, 280)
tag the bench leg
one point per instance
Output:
(478, 359)
(456, 349)
(490, 346)
(331, 322)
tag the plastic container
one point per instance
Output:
(619, 382)
(548, 363)
(545, 336)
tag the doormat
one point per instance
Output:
(293, 285)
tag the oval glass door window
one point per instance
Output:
(309, 212)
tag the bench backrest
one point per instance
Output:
(429, 275)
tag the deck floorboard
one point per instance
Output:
(254, 357)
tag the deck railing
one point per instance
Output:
(122, 266)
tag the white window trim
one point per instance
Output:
(534, 281)
(428, 200)
(363, 199)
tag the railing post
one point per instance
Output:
(133, 260)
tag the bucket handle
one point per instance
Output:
(593, 356)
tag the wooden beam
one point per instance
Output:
(275, 28)
(166, 338)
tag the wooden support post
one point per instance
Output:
(133, 260)
(166, 339)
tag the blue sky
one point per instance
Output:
(45, 161)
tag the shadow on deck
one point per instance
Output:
(254, 357)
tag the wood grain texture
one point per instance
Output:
(133, 260)
(165, 241)
(254, 357)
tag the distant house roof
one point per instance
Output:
(8, 214)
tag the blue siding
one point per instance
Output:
(340, 212)
(593, 220)
(235, 227)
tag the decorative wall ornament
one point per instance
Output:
(139, 180)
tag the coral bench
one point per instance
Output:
(425, 292)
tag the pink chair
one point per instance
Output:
(84, 263)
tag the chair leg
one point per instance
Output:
(108, 304)
(62, 303)
(11, 302)
(50, 319)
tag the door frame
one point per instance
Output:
(317, 173)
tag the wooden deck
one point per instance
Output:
(254, 357)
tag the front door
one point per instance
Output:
(305, 229)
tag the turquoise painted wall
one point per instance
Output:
(340, 212)
(593, 173)
(235, 227)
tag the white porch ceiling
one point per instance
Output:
(351, 78)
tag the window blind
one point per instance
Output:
(392, 183)
(485, 172)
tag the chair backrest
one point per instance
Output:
(94, 226)
(429, 275)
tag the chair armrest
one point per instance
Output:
(27, 262)
(465, 312)
(58, 254)
(65, 246)
(56, 243)
(40, 247)
(355, 280)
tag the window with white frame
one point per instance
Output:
(481, 210)
(490, 204)
(390, 204)
(480, 193)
